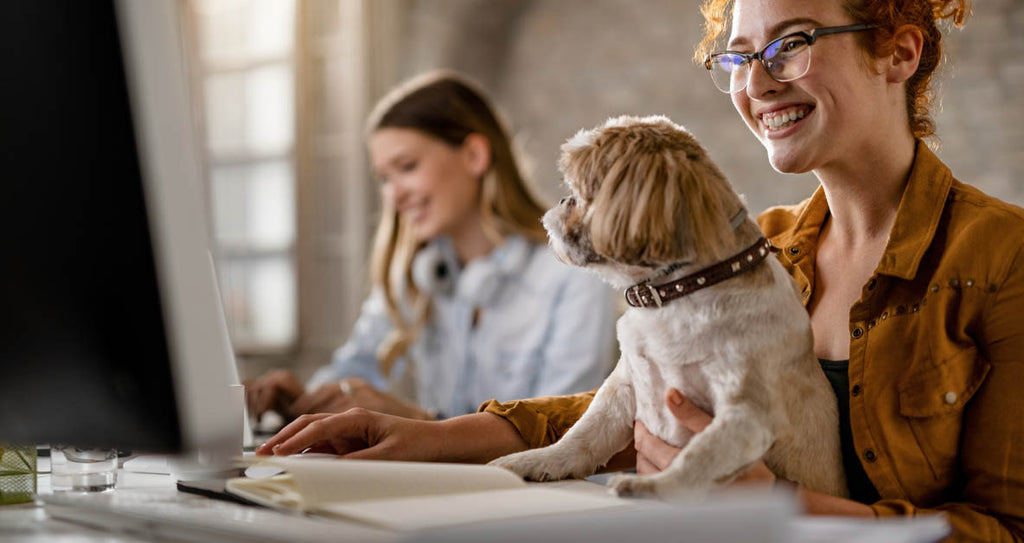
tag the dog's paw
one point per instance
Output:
(532, 465)
(632, 486)
(654, 486)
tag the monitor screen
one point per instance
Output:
(110, 333)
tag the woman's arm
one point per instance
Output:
(357, 357)
(359, 433)
(353, 378)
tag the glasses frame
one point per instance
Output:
(811, 36)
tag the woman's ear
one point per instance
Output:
(476, 149)
(907, 43)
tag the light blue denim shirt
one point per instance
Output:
(544, 328)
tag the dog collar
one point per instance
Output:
(647, 295)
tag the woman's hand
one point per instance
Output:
(275, 390)
(340, 396)
(358, 433)
(654, 455)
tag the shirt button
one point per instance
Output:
(869, 455)
(935, 288)
(855, 391)
(794, 250)
(901, 310)
(950, 397)
(857, 332)
(954, 283)
(970, 282)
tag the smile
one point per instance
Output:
(777, 120)
(414, 212)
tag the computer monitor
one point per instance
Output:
(111, 331)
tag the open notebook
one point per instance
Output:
(410, 495)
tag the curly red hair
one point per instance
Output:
(887, 15)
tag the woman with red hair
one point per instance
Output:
(914, 281)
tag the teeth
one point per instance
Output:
(776, 120)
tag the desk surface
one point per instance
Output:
(710, 522)
(35, 522)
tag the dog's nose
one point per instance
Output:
(568, 200)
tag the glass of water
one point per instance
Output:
(76, 469)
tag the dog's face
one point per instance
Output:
(643, 195)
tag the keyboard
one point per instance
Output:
(177, 516)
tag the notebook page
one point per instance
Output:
(417, 513)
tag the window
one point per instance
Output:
(246, 80)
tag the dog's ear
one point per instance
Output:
(710, 205)
(654, 195)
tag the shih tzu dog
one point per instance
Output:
(712, 314)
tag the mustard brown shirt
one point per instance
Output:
(936, 354)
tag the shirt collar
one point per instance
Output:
(810, 216)
(917, 217)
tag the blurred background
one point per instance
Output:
(282, 88)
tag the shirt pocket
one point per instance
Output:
(932, 399)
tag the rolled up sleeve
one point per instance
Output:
(541, 421)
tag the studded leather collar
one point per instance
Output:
(647, 295)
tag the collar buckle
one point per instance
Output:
(644, 295)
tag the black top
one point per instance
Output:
(861, 488)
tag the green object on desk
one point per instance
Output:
(17, 474)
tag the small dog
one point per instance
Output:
(714, 315)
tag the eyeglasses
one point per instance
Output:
(785, 59)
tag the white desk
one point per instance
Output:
(36, 522)
(737, 520)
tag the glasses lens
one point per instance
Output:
(788, 58)
(728, 71)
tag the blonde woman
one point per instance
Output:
(468, 303)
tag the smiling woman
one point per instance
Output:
(914, 281)
(911, 320)
(468, 303)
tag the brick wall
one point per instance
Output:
(555, 66)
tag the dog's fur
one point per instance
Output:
(645, 195)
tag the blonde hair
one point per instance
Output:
(887, 15)
(444, 105)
